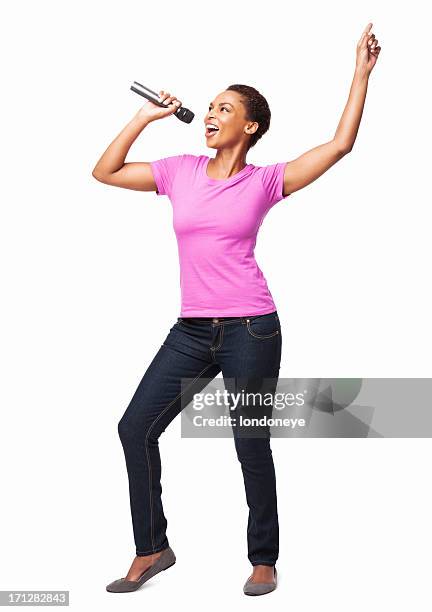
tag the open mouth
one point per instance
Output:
(211, 131)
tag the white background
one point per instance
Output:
(91, 287)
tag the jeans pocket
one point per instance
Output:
(265, 326)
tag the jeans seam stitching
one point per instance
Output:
(259, 337)
(147, 451)
(215, 348)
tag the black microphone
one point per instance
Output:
(184, 114)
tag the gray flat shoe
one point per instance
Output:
(163, 562)
(260, 588)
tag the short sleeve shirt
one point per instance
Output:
(216, 223)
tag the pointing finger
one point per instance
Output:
(364, 37)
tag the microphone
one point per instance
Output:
(184, 114)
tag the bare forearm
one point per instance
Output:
(347, 129)
(114, 157)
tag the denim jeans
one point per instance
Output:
(198, 349)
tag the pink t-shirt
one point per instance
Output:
(216, 222)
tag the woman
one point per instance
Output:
(228, 320)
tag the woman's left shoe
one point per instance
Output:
(260, 588)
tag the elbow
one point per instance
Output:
(344, 148)
(97, 176)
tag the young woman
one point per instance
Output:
(228, 320)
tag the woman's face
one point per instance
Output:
(227, 113)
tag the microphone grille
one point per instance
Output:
(184, 114)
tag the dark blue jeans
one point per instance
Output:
(244, 348)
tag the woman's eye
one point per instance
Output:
(223, 108)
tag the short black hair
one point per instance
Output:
(257, 109)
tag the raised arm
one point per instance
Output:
(312, 164)
(111, 167)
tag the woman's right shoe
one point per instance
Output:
(260, 588)
(163, 562)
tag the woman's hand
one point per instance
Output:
(151, 112)
(367, 51)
